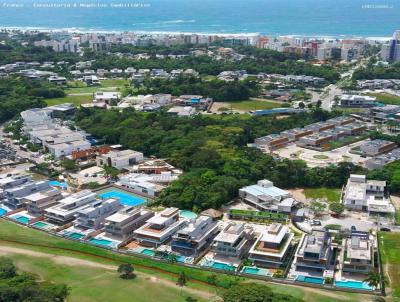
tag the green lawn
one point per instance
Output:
(115, 83)
(77, 100)
(386, 98)
(323, 193)
(390, 246)
(254, 105)
(90, 284)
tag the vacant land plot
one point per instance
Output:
(329, 194)
(386, 98)
(77, 100)
(390, 246)
(253, 105)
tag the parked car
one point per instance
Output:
(385, 230)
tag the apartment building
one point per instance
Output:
(377, 147)
(93, 215)
(296, 133)
(195, 237)
(234, 240)
(67, 208)
(357, 254)
(37, 202)
(160, 228)
(13, 197)
(123, 223)
(361, 194)
(119, 159)
(272, 246)
(271, 142)
(314, 252)
(266, 197)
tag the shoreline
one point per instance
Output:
(75, 30)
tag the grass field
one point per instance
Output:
(77, 100)
(329, 194)
(254, 105)
(390, 246)
(386, 98)
(114, 83)
(90, 284)
(95, 284)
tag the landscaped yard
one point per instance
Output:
(254, 105)
(329, 194)
(77, 100)
(390, 246)
(386, 98)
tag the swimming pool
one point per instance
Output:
(62, 185)
(251, 270)
(22, 219)
(223, 266)
(102, 242)
(125, 198)
(3, 212)
(40, 224)
(353, 284)
(74, 235)
(187, 214)
(147, 252)
(308, 279)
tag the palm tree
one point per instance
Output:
(374, 279)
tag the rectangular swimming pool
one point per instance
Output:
(22, 219)
(3, 212)
(223, 266)
(102, 242)
(62, 185)
(308, 279)
(251, 270)
(353, 284)
(74, 235)
(40, 224)
(125, 198)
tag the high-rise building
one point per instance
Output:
(391, 52)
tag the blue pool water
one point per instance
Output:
(22, 219)
(40, 224)
(124, 198)
(353, 284)
(74, 235)
(62, 185)
(102, 242)
(3, 212)
(251, 270)
(224, 266)
(187, 214)
(148, 252)
(314, 280)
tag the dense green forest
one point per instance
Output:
(378, 72)
(18, 94)
(24, 287)
(216, 89)
(212, 151)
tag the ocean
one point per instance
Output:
(372, 18)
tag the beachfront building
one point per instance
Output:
(67, 208)
(361, 194)
(266, 197)
(119, 159)
(122, 224)
(13, 197)
(357, 254)
(160, 228)
(234, 240)
(37, 202)
(314, 253)
(271, 249)
(195, 237)
(92, 216)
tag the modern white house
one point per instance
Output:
(14, 180)
(92, 216)
(119, 159)
(67, 208)
(272, 246)
(123, 223)
(37, 202)
(13, 197)
(357, 253)
(160, 228)
(195, 237)
(106, 97)
(234, 240)
(361, 194)
(357, 101)
(266, 197)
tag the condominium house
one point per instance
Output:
(146, 183)
(123, 223)
(320, 126)
(93, 215)
(266, 197)
(160, 228)
(14, 196)
(357, 255)
(377, 147)
(378, 162)
(314, 252)
(361, 194)
(341, 120)
(119, 159)
(106, 97)
(67, 208)
(383, 114)
(317, 140)
(234, 240)
(14, 180)
(195, 237)
(295, 134)
(182, 111)
(271, 142)
(361, 101)
(271, 249)
(37, 202)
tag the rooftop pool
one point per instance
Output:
(308, 279)
(125, 198)
(353, 284)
